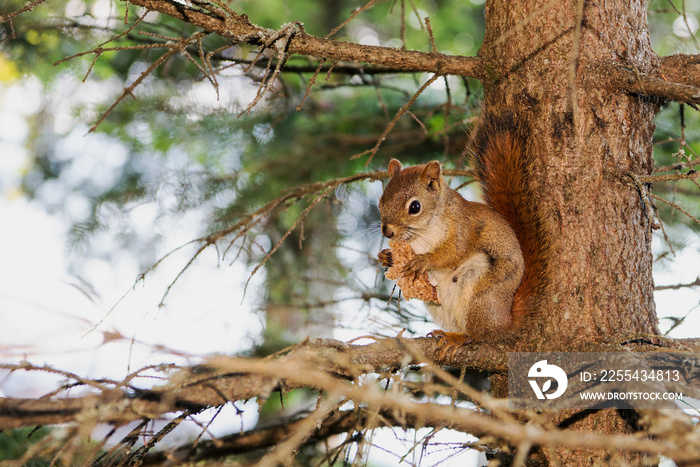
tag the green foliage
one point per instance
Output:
(677, 140)
(57, 38)
(673, 26)
(14, 443)
(458, 26)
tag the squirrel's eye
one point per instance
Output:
(414, 207)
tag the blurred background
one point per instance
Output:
(101, 273)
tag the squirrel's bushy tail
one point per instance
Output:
(499, 153)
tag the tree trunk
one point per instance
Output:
(586, 136)
(540, 59)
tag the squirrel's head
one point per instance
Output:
(410, 199)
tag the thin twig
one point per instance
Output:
(354, 14)
(128, 91)
(29, 6)
(668, 178)
(675, 206)
(312, 81)
(431, 36)
(288, 232)
(372, 152)
(695, 283)
(649, 208)
(286, 34)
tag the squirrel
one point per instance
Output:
(487, 260)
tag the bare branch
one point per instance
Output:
(355, 12)
(343, 421)
(636, 82)
(668, 178)
(695, 283)
(336, 369)
(128, 91)
(396, 118)
(240, 29)
(29, 6)
(327, 365)
(205, 386)
(682, 69)
(678, 166)
(675, 206)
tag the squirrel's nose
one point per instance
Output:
(387, 231)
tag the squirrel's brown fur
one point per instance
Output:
(488, 261)
(500, 154)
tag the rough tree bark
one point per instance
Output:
(588, 134)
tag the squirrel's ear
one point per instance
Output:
(432, 175)
(394, 167)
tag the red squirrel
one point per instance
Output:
(487, 260)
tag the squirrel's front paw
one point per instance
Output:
(416, 266)
(385, 258)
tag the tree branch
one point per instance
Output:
(335, 368)
(636, 82)
(668, 178)
(29, 6)
(224, 379)
(240, 29)
(203, 386)
(350, 421)
(682, 69)
(343, 421)
(695, 283)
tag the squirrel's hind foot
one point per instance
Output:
(449, 343)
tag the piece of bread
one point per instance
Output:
(412, 287)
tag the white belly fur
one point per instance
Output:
(455, 296)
